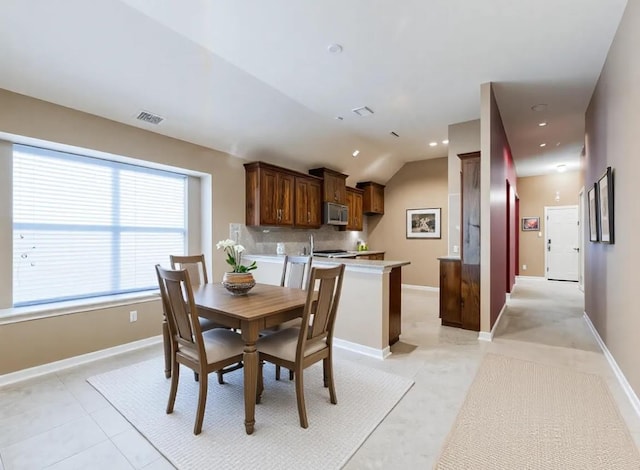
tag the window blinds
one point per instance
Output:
(86, 227)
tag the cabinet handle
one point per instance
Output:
(308, 217)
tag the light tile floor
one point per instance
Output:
(59, 421)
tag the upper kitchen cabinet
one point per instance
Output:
(308, 202)
(269, 195)
(334, 186)
(354, 202)
(373, 197)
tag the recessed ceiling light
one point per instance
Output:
(339, 118)
(433, 144)
(542, 124)
(355, 153)
(539, 107)
(561, 168)
(334, 48)
(543, 145)
(445, 141)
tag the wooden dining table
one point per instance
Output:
(265, 306)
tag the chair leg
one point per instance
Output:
(175, 375)
(302, 411)
(202, 402)
(290, 374)
(166, 339)
(277, 372)
(220, 376)
(324, 372)
(195, 376)
(328, 373)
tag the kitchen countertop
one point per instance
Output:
(350, 263)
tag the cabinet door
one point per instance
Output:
(450, 310)
(307, 203)
(269, 197)
(314, 202)
(357, 211)
(286, 191)
(378, 199)
(351, 218)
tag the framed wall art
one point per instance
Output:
(605, 207)
(592, 207)
(423, 223)
(531, 224)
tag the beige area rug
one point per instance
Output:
(365, 396)
(525, 415)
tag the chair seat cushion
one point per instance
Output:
(219, 344)
(283, 344)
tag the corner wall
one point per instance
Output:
(611, 271)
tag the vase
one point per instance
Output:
(238, 283)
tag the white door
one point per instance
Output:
(562, 242)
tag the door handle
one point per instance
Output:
(549, 245)
(576, 249)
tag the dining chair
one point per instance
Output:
(295, 271)
(196, 266)
(202, 352)
(297, 348)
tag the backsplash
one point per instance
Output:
(263, 240)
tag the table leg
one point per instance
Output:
(250, 358)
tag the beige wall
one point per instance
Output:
(416, 185)
(612, 123)
(29, 343)
(535, 193)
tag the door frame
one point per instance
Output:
(546, 235)
(581, 239)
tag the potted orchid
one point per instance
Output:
(239, 281)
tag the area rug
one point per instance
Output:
(521, 414)
(365, 396)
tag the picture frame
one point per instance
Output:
(423, 223)
(531, 224)
(592, 208)
(605, 207)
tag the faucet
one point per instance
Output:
(311, 244)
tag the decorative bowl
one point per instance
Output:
(238, 283)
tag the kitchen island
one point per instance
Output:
(369, 315)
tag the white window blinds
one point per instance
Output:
(86, 227)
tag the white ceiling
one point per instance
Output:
(254, 78)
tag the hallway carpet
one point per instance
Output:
(522, 414)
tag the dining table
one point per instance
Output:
(264, 306)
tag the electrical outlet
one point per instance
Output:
(524, 267)
(455, 248)
(133, 316)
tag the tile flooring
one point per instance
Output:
(59, 421)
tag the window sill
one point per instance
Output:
(36, 312)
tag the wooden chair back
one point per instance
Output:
(320, 312)
(194, 264)
(177, 299)
(295, 271)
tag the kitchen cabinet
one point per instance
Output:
(269, 195)
(354, 203)
(334, 185)
(450, 300)
(373, 197)
(308, 202)
(374, 256)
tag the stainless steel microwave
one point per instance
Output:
(335, 214)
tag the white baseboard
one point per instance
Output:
(361, 349)
(57, 366)
(416, 287)
(531, 278)
(631, 395)
(488, 336)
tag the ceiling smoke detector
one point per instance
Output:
(151, 118)
(363, 111)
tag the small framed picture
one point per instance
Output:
(605, 207)
(592, 205)
(423, 223)
(531, 224)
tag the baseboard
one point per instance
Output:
(631, 395)
(488, 336)
(531, 278)
(361, 349)
(416, 287)
(57, 366)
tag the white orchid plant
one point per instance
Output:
(234, 256)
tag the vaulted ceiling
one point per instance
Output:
(257, 79)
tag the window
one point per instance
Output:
(86, 227)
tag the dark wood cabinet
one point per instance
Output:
(354, 202)
(395, 305)
(375, 256)
(334, 185)
(269, 195)
(308, 202)
(373, 197)
(450, 300)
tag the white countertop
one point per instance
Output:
(350, 263)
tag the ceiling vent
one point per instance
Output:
(149, 117)
(363, 111)
(395, 134)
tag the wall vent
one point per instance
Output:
(151, 118)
